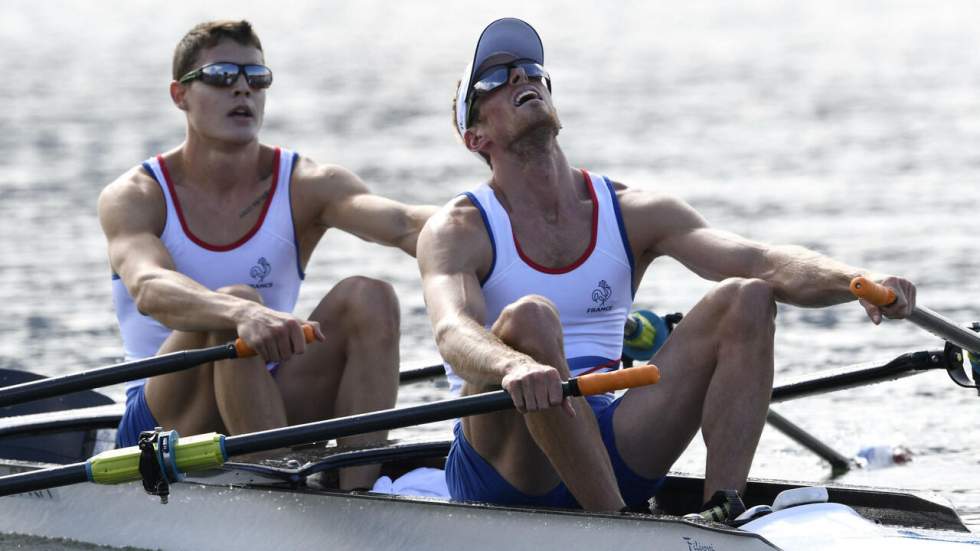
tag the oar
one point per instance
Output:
(839, 463)
(208, 451)
(421, 373)
(879, 295)
(159, 365)
(128, 371)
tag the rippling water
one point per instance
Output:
(848, 127)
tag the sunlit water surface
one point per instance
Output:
(850, 128)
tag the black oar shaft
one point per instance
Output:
(33, 481)
(359, 424)
(95, 378)
(838, 462)
(595, 383)
(902, 366)
(421, 373)
(210, 450)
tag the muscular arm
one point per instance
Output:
(132, 214)
(667, 226)
(453, 250)
(345, 202)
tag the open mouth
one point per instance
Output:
(241, 111)
(525, 96)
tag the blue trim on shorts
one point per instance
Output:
(472, 478)
(136, 419)
(587, 362)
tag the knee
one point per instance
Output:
(370, 306)
(528, 324)
(749, 303)
(242, 291)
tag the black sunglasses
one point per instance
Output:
(225, 74)
(498, 75)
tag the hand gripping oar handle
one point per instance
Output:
(208, 451)
(873, 292)
(127, 371)
(879, 295)
(245, 351)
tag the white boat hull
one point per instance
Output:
(212, 517)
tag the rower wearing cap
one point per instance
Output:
(529, 278)
(210, 241)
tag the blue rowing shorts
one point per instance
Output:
(136, 419)
(472, 478)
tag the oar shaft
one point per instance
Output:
(389, 419)
(33, 481)
(838, 462)
(902, 366)
(128, 371)
(104, 376)
(421, 373)
(360, 424)
(879, 295)
(206, 451)
(945, 329)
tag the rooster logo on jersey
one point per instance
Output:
(601, 293)
(260, 271)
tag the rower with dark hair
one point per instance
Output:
(210, 240)
(529, 278)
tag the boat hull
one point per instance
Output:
(218, 516)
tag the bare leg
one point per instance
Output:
(354, 371)
(229, 396)
(534, 452)
(717, 371)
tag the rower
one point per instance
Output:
(210, 240)
(529, 278)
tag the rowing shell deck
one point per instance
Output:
(267, 504)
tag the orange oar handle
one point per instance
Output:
(245, 351)
(598, 383)
(875, 293)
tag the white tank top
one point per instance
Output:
(267, 258)
(593, 295)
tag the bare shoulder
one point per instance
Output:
(456, 233)
(133, 200)
(651, 216)
(322, 193)
(655, 205)
(458, 219)
(326, 180)
(135, 185)
(634, 200)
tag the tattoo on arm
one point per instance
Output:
(254, 204)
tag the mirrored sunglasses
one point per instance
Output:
(498, 75)
(225, 74)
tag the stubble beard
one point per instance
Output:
(537, 138)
